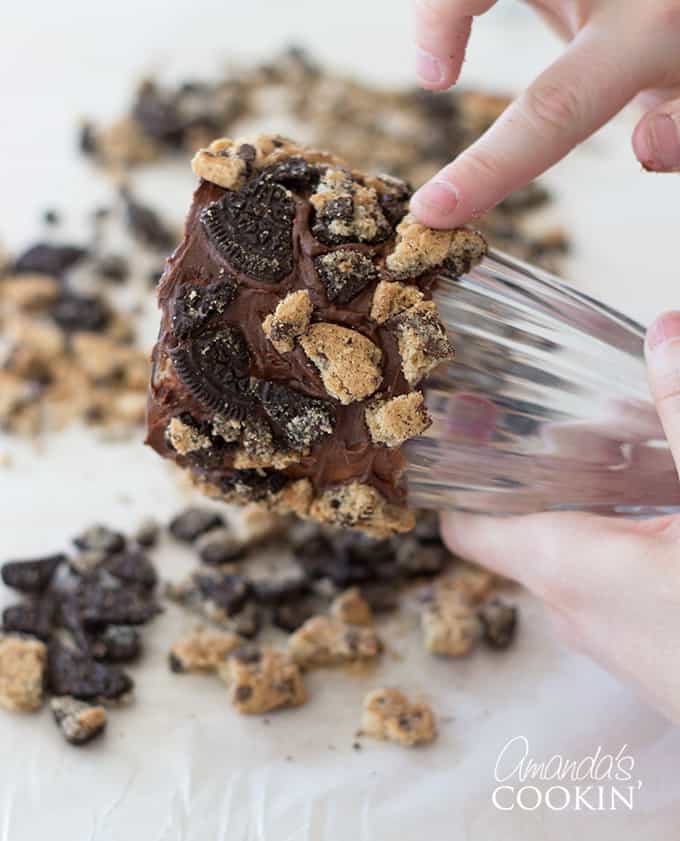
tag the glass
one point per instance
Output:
(546, 406)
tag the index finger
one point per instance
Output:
(575, 96)
(442, 33)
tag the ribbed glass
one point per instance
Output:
(546, 406)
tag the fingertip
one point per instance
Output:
(665, 328)
(437, 204)
(656, 142)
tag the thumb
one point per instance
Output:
(662, 348)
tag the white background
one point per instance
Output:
(180, 764)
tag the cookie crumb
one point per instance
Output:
(261, 680)
(356, 505)
(391, 422)
(202, 651)
(22, 669)
(419, 249)
(352, 608)
(423, 343)
(450, 624)
(289, 320)
(186, 439)
(349, 363)
(78, 721)
(326, 641)
(392, 297)
(221, 164)
(388, 714)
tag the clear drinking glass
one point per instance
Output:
(546, 406)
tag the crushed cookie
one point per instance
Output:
(392, 422)
(348, 362)
(388, 714)
(356, 505)
(422, 340)
(202, 651)
(352, 608)
(289, 320)
(450, 624)
(262, 680)
(78, 721)
(392, 297)
(326, 641)
(419, 249)
(22, 667)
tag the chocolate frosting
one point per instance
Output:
(347, 454)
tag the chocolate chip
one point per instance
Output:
(132, 567)
(302, 420)
(31, 617)
(100, 538)
(146, 225)
(253, 229)
(220, 546)
(295, 173)
(499, 621)
(247, 622)
(72, 311)
(116, 644)
(87, 139)
(31, 576)
(193, 522)
(242, 693)
(344, 273)
(74, 673)
(45, 258)
(229, 592)
(215, 367)
(272, 591)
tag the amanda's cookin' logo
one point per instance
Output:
(599, 782)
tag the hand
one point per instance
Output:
(612, 585)
(618, 51)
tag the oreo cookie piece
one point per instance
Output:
(146, 225)
(116, 644)
(132, 567)
(35, 618)
(72, 311)
(191, 523)
(229, 592)
(46, 258)
(31, 576)
(73, 673)
(195, 307)
(215, 367)
(100, 538)
(344, 273)
(101, 605)
(302, 420)
(295, 173)
(253, 229)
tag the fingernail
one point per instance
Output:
(436, 195)
(428, 68)
(663, 142)
(664, 330)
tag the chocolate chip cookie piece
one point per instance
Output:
(326, 641)
(202, 651)
(22, 666)
(388, 714)
(261, 680)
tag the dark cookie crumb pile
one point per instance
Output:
(274, 380)
(77, 624)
